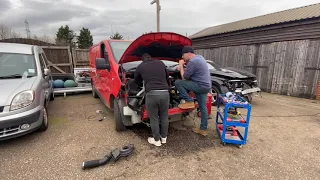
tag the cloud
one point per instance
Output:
(44, 13)
(131, 18)
(4, 6)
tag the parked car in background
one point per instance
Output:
(26, 89)
(233, 80)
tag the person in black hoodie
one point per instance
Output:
(155, 77)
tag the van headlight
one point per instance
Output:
(22, 100)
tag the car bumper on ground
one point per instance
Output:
(20, 124)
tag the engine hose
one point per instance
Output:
(126, 150)
(96, 163)
(113, 155)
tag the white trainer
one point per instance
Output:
(154, 142)
(163, 140)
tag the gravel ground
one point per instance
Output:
(283, 143)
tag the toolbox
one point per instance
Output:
(229, 120)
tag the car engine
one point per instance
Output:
(136, 93)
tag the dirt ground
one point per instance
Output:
(283, 143)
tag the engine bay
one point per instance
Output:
(135, 93)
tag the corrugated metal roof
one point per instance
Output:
(300, 13)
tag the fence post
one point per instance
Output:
(74, 58)
(70, 59)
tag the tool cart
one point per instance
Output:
(229, 120)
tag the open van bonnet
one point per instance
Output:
(162, 45)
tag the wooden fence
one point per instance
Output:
(59, 59)
(63, 60)
(80, 58)
(289, 68)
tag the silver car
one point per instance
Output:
(25, 90)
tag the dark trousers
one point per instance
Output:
(201, 94)
(157, 104)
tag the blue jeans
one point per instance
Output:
(201, 94)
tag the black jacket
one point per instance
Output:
(154, 74)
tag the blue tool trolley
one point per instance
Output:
(228, 120)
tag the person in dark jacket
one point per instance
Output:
(196, 78)
(155, 76)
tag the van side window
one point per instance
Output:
(104, 54)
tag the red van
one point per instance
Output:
(112, 68)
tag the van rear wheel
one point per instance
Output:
(119, 126)
(52, 96)
(94, 94)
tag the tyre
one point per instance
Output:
(45, 122)
(94, 93)
(119, 126)
(215, 93)
(248, 98)
(52, 96)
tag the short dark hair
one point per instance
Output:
(146, 57)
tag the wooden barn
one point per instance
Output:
(282, 49)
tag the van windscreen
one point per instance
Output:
(118, 48)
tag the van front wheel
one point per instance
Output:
(118, 116)
(45, 122)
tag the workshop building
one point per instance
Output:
(282, 49)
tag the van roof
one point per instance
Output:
(16, 48)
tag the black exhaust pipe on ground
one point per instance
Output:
(113, 155)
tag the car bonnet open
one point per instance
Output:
(164, 46)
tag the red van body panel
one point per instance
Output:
(108, 84)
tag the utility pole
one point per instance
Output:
(158, 13)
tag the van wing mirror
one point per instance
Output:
(46, 72)
(102, 64)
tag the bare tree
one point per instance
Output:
(15, 34)
(46, 38)
(5, 32)
(43, 38)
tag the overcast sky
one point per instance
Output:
(131, 18)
